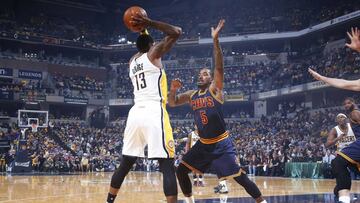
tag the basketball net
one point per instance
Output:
(34, 128)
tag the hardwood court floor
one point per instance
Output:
(140, 187)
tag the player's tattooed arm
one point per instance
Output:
(178, 99)
(218, 82)
(172, 34)
(338, 83)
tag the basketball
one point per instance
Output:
(131, 12)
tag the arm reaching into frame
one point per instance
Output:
(338, 83)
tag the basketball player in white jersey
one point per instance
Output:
(341, 136)
(148, 121)
(354, 85)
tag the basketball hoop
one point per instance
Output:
(34, 127)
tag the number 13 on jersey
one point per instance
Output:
(140, 79)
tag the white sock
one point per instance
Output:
(345, 199)
(190, 199)
(223, 182)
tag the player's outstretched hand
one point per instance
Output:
(316, 75)
(215, 31)
(354, 36)
(175, 84)
(140, 20)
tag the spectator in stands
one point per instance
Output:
(84, 163)
(328, 157)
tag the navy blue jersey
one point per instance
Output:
(352, 151)
(214, 149)
(209, 118)
(355, 127)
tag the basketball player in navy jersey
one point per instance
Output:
(354, 85)
(349, 156)
(341, 136)
(214, 148)
(148, 121)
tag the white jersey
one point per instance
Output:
(148, 123)
(149, 81)
(194, 137)
(347, 139)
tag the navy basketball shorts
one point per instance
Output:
(352, 153)
(220, 157)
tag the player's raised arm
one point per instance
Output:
(180, 99)
(341, 83)
(354, 36)
(338, 83)
(218, 82)
(172, 34)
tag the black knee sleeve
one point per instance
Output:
(250, 187)
(119, 175)
(340, 170)
(169, 179)
(184, 181)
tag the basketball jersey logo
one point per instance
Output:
(208, 114)
(347, 139)
(202, 102)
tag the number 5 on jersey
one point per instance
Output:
(204, 118)
(142, 81)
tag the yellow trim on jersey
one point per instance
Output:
(169, 138)
(217, 99)
(202, 93)
(241, 171)
(192, 94)
(349, 159)
(215, 139)
(163, 87)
